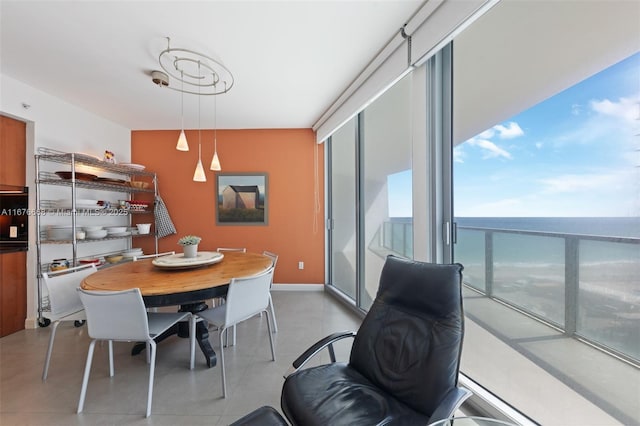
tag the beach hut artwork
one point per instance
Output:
(241, 199)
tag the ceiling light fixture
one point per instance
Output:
(198, 175)
(182, 145)
(179, 64)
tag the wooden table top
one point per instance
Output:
(153, 281)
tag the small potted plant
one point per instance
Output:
(189, 244)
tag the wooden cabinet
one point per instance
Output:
(13, 265)
(13, 292)
(13, 136)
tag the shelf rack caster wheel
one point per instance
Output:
(79, 323)
(44, 322)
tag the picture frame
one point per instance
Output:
(242, 199)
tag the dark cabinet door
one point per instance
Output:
(13, 292)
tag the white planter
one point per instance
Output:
(190, 251)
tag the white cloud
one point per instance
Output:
(576, 109)
(539, 145)
(490, 149)
(458, 154)
(487, 134)
(510, 131)
(585, 182)
(626, 108)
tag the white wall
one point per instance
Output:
(54, 123)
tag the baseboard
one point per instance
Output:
(298, 287)
(31, 323)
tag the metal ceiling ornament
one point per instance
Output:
(183, 66)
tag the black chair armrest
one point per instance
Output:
(449, 404)
(326, 342)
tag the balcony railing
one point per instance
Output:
(585, 285)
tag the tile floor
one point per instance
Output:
(181, 396)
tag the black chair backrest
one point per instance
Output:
(410, 341)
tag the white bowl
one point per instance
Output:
(116, 229)
(144, 228)
(92, 228)
(95, 235)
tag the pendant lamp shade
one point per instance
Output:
(215, 163)
(198, 175)
(182, 142)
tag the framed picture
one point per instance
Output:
(241, 199)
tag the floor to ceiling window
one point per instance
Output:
(371, 193)
(547, 206)
(342, 187)
(386, 183)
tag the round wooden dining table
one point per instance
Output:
(189, 288)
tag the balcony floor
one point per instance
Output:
(554, 379)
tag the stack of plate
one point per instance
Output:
(117, 231)
(80, 204)
(60, 233)
(132, 252)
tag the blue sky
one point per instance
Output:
(574, 154)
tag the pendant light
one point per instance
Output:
(182, 139)
(215, 161)
(198, 175)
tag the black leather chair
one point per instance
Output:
(405, 358)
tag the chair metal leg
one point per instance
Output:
(47, 359)
(224, 377)
(273, 314)
(273, 352)
(152, 368)
(85, 378)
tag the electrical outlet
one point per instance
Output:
(300, 265)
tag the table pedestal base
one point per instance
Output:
(182, 330)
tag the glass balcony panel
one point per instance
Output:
(529, 272)
(470, 252)
(609, 295)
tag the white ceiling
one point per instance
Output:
(290, 59)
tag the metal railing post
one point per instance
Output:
(571, 283)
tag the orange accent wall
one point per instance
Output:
(295, 230)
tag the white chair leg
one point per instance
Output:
(148, 353)
(152, 367)
(224, 377)
(273, 352)
(234, 335)
(47, 359)
(273, 314)
(85, 378)
(111, 370)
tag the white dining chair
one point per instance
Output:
(64, 303)
(121, 316)
(274, 260)
(246, 298)
(240, 249)
(154, 255)
(221, 300)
